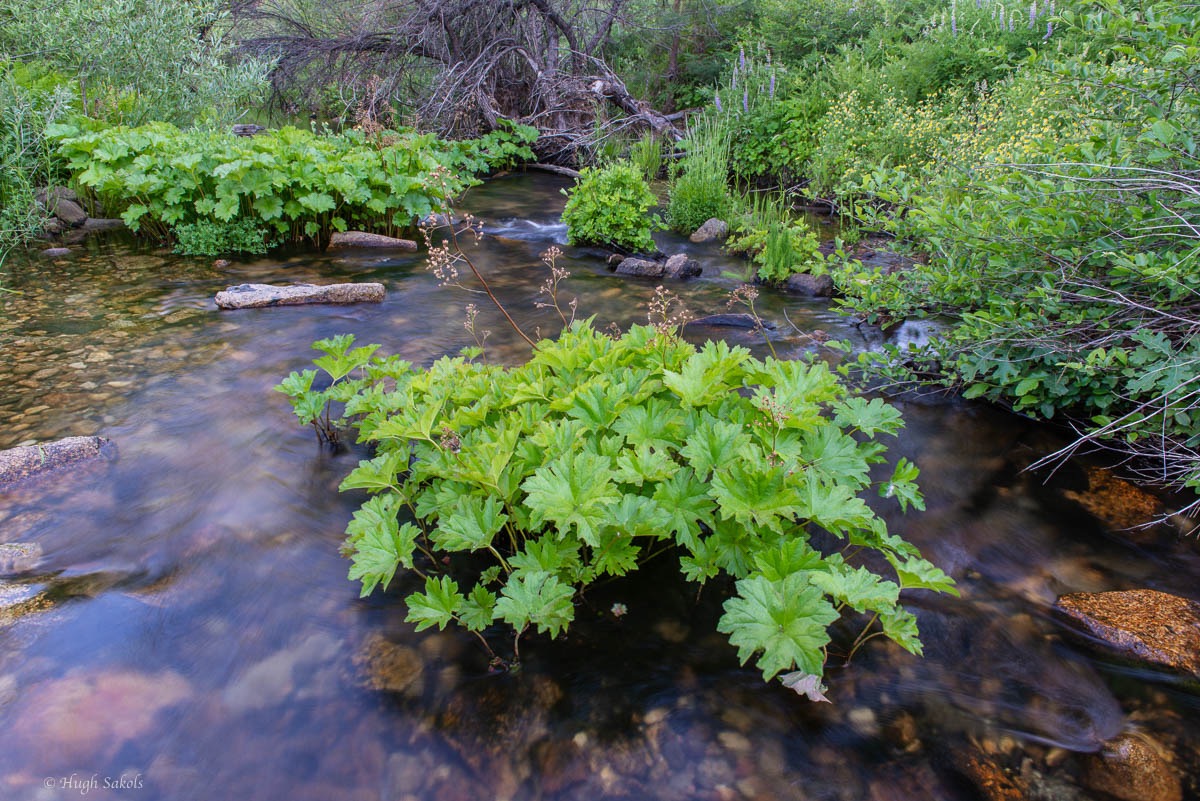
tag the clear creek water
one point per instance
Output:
(195, 636)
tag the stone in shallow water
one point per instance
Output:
(85, 719)
(361, 239)
(391, 667)
(740, 320)
(640, 267)
(1145, 625)
(18, 464)
(256, 296)
(816, 286)
(1117, 503)
(1133, 767)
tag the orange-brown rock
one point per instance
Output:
(1144, 625)
(1133, 767)
(993, 782)
(1115, 502)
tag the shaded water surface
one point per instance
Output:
(188, 627)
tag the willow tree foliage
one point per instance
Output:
(133, 61)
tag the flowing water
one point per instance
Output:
(188, 628)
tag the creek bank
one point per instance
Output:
(29, 461)
(1145, 626)
(257, 296)
(68, 218)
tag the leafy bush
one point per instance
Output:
(208, 238)
(501, 149)
(575, 465)
(300, 185)
(608, 206)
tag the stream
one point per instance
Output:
(187, 630)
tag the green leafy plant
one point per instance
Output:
(509, 490)
(297, 184)
(208, 238)
(609, 206)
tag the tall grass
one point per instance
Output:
(26, 159)
(700, 188)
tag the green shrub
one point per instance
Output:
(511, 490)
(1061, 237)
(209, 238)
(608, 206)
(297, 184)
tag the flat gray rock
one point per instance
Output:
(257, 296)
(27, 461)
(95, 224)
(361, 239)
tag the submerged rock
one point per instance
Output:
(711, 230)
(86, 718)
(1133, 767)
(1144, 625)
(18, 600)
(19, 557)
(645, 268)
(56, 253)
(362, 239)
(390, 667)
(1115, 502)
(993, 782)
(256, 296)
(733, 321)
(27, 461)
(814, 286)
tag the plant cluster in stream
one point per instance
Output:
(510, 490)
(607, 207)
